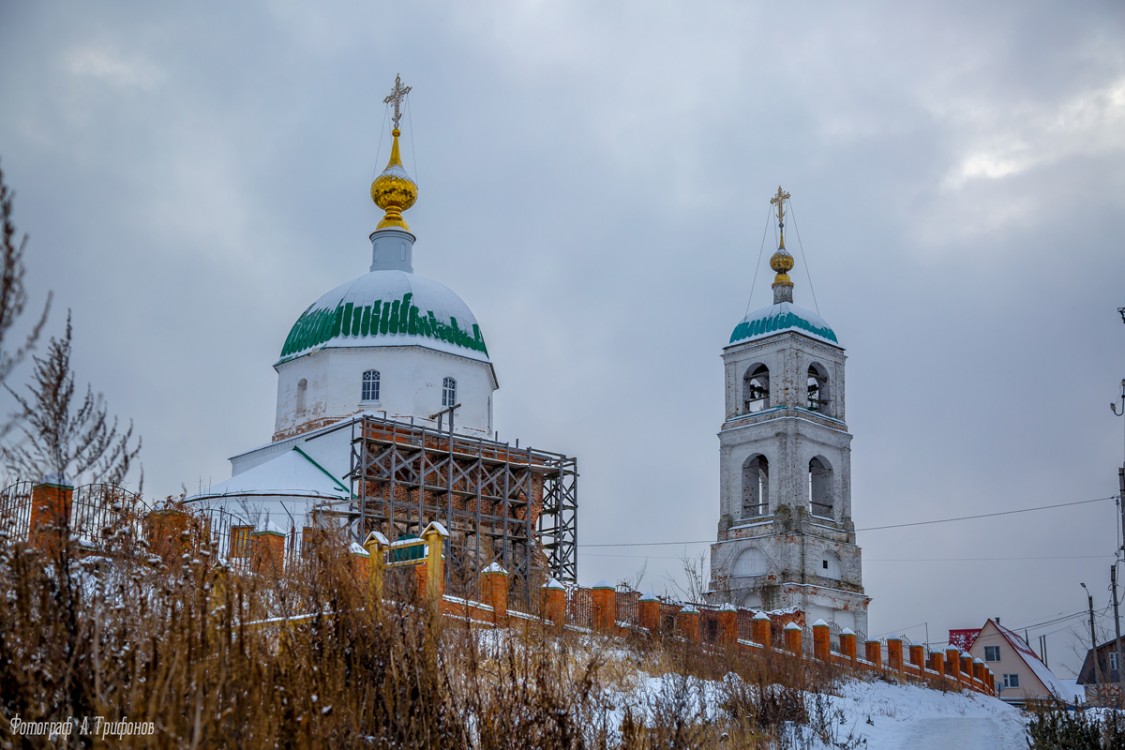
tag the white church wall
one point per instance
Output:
(410, 385)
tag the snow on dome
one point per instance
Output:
(784, 316)
(388, 308)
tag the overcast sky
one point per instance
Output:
(594, 183)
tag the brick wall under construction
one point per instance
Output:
(516, 507)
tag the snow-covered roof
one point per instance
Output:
(1041, 670)
(784, 316)
(291, 473)
(388, 308)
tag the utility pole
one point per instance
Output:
(1117, 634)
(1094, 644)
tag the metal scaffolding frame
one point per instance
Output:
(517, 507)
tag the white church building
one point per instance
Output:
(785, 536)
(372, 377)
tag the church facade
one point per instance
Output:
(785, 537)
(384, 423)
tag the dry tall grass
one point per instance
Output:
(120, 637)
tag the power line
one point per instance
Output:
(988, 515)
(881, 528)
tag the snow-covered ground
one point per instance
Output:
(890, 717)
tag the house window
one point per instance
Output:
(992, 653)
(240, 541)
(448, 392)
(1011, 680)
(371, 385)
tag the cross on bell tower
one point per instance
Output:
(395, 98)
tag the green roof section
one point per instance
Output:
(780, 321)
(380, 318)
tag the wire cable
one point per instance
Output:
(801, 245)
(879, 528)
(758, 265)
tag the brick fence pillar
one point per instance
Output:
(847, 644)
(50, 515)
(760, 629)
(494, 591)
(169, 533)
(648, 613)
(894, 654)
(918, 656)
(953, 663)
(267, 552)
(937, 663)
(728, 625)
(873, 652)
(822, 641)
(604, 598)
(554, 603)
(794, 637)
(687, 623)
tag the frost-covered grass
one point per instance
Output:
(121, 637)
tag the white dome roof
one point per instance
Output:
(388, 308)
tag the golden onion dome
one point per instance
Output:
(782, 264)
(393, 190)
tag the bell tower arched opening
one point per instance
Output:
(755, 486)
(756, 389)
(820, 487)
(817, 389)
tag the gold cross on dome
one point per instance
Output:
(398, 93)
(779, 201)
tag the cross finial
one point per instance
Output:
(398, 93)
(779, 201)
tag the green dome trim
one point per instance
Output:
(380, 318)
(780, 321)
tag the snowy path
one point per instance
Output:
(963, 733)
(906, 716)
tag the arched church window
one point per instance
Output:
(371, 385)
(756, 389)
(755, 486)
(302, 395)
(817, 388)
(448, 392)
(820, 487)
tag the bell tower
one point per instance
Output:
(786, 537)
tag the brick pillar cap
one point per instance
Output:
(793, 626)
(847, 631)
(761, 616)
(820, 624)
(494, 567)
